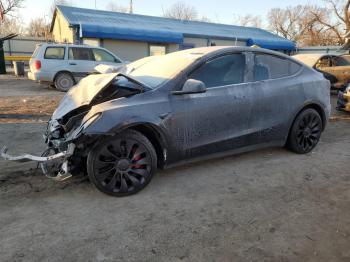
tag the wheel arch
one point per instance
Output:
(319, 110)
(155, 136)
(311, 105)
(64, 71)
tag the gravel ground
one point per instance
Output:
(11, 85)
(267, 205)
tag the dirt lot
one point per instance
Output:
(268, 205)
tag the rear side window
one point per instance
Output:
(273, 67)
(77, 53)
(101, 55)
(54, 53)
(35, 53)
(339, 61)
(225, 70)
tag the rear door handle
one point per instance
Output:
(163, 116)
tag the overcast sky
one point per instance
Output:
(220, 11)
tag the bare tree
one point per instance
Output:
(11, 25)
(341, 10)
(112, 6)
(326, 24)
(10, 5)
(289, 23)
(180, 10)
(248, 20)
(38, 28)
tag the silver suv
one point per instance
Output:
(65, 64)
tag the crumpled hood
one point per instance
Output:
(83, 93)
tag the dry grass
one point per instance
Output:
(30, 105)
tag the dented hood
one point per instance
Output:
(83, 93)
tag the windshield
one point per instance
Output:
(156, 70)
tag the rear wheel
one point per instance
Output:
(122, 165)
(64, 81)
(305, 132)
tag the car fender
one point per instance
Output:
(307, 104)
(104, 126)
(111, 123)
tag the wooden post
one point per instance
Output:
(2, 59)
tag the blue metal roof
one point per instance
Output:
(136, 34)
(114, 25)
(275, 44)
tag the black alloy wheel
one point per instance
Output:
(306, 131)
(122, 165)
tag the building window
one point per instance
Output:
(157, 50)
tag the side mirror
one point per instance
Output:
(191, 86)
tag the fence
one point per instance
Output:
(21, 48)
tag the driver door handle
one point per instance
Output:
(163, 116)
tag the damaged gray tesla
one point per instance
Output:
(189, 105)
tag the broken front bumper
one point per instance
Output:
(28, 157)
(61, 158)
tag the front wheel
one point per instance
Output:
(122, 165)
(305, 132)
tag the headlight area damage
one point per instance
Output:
(66, 143)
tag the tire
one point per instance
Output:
(122, 165)
(64, 81)
(305, 132)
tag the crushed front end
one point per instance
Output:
(67, 146)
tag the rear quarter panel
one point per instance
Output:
(316, 91)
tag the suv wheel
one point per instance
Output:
(122, 165)
(64, 81)
(305, 132)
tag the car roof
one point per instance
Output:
(212, 50)
(67, 44)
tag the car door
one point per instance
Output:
(81, 61)
(276, 96)
(217, 120)
(340, 68)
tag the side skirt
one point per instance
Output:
(226, 153)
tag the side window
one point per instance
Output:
(340, 61)
(103, 56)
(54, 53)
(225, 70)
(273, 67)
(78, 53)
(323, 62)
